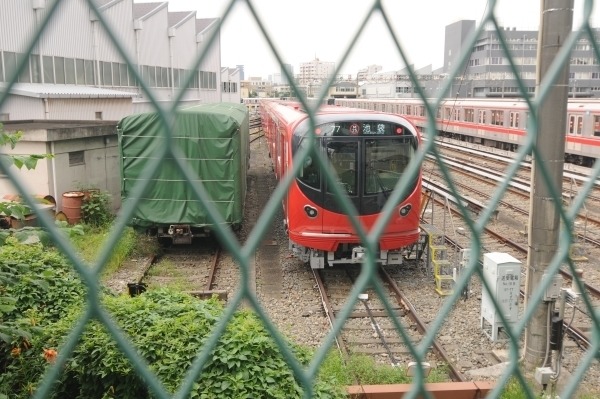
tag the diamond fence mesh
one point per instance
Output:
(243, 252)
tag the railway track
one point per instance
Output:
(189, 268)
(578, 325)
(369, 330)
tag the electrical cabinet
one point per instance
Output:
(502, 272)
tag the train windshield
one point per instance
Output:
(385, 161)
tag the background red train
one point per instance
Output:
(369, 152)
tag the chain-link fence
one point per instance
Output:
(244, 251)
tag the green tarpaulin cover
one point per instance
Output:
(213, 140)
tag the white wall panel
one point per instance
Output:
(76, 109)
(65, 38)
(183, 44)
(154, 40)
(20, 107)
(120, 18)
(16, 18)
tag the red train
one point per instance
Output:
(369, 151)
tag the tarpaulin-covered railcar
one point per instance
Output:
(213, 141)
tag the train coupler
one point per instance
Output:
(180, 234)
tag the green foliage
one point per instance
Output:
(130, 245)
(13, 209)
(95, 209)
(41, 279)
(38, 234)
(168, 329)
(37, 287)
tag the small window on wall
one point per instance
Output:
(98, 115)
(76, 158)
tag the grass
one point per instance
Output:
(130, 245)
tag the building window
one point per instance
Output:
(24, 76)
(79, 72)
(106, 73)
(70, 71)
(90, 68)
(48, 69)
(98, 115)
(208, 80)
(151, 76)
(116, 79)
(76, 158)
(10, 64)
(59, 70)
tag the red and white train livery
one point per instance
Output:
(501, 123)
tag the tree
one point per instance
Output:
(14, 209)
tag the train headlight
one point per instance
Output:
(310, 211)
(405, 210)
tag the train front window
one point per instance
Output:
(309, 174)
(342, 156)
(385, 161)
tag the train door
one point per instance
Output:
(575, 124)
(343, 156)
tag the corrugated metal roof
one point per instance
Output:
(39, 90)
(203, 23)
(144, 10)
(101, 3)
(106, 4)
(176, 18)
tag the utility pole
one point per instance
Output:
(556, 21)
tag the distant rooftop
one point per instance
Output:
(45, 90)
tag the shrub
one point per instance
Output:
(168, 329)
(95, 209)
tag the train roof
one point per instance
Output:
(592, 105)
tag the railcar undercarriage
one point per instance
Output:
(346, 254)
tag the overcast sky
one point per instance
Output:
(304, 29)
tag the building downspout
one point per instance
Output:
(171, 59)
(57, 198)
(46, 109)
(94, 20)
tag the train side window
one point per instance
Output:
(469, 115)
(571, 124)
(482, 118)
(497, 117)
(579, 124)
(514, 119)
(447, 114)
(309, 174)
(596, 125)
